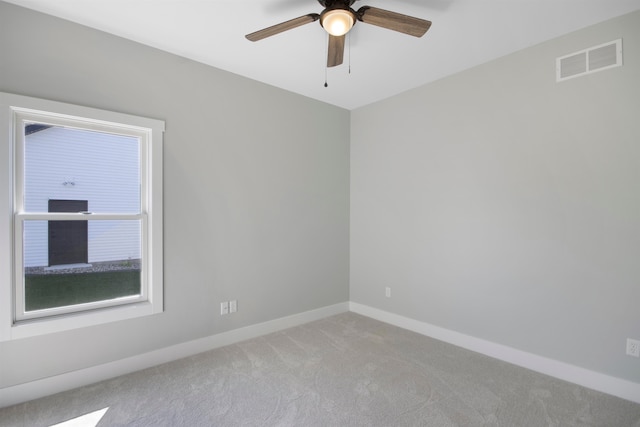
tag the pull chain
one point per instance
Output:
(349, 37)
(326, 55)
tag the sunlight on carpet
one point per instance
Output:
(89, 420)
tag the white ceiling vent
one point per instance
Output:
(597, 58)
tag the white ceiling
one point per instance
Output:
(383, 63)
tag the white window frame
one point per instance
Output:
(15, 111)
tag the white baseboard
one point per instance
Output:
(604, 383)
(47, 386)
(584, 377)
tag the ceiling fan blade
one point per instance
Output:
(336, 50)
(393, 21)
(283, 26)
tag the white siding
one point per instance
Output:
(71, 164)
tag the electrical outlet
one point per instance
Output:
(633, 347)
(233, 306)
(224, 308)
(387, 292)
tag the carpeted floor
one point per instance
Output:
(345, 370)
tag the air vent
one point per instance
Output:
(597, 58)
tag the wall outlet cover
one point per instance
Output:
(224, 308)
(633, 347)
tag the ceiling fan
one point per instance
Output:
(338, 18)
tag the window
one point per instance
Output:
(83, 216)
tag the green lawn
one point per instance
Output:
(58, 290)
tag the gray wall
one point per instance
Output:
(256, 188)
(503, 205)
(496, 202)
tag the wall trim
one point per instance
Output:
(35, 389)
(594, 380)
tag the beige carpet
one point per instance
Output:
(346, 370)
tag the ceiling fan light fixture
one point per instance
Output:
(337, 22)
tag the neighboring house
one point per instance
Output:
(70, 170)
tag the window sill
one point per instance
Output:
(31, 328)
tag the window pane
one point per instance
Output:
(76, 262)
(76, 164)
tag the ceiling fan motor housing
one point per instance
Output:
(336, 4)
